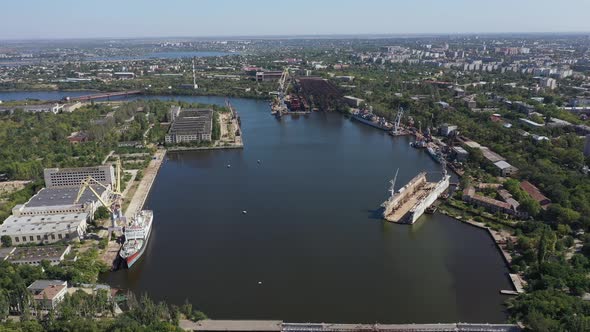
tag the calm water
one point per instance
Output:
(312, 234)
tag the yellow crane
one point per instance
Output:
(113, 203)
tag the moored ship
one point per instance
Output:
(371, 120)
(137, 234)
(408, 203)
(434, 154)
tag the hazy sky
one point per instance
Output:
(143, 18)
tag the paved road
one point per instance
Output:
(144, 187)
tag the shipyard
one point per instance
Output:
(326, 176)
(408, 203)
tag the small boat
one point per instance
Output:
(431, 209)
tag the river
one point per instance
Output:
(312, 247)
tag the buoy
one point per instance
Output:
(244, 212)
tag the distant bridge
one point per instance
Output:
(106, 95)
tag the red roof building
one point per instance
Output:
(535, 193)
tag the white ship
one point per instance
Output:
(137, 234)
(408, 203)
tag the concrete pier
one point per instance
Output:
(144, 187)
(279, 326)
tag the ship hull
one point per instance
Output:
(136, 256)
(369, 122)
(132, 258)
(425, 203)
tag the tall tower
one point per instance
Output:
(195, 86)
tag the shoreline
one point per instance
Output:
(515, 279)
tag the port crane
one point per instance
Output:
(392, 188)
(279, 107)
(397, 122)
(114, 200)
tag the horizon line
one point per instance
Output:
(303, 36)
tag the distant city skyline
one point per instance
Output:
(37, 19)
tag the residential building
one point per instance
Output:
(78, 137)
(48, 293)
(587, 146)
(548, 83)
(191, 125)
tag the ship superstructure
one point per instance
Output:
(137, 234)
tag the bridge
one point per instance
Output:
(106, 95)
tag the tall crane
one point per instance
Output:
(280, 105)
(113, 202)
(398, 119)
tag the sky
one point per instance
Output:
(55, 19)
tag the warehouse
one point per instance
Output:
(50, 201)
(44, 228)
(191, 125)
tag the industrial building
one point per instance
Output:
(459, 153)
(353, 101)
(492, 205)
(73, 177)
(535, 193)
(56, 213)
(268, 76)
(191, 125)
(35, 255)
(49, 201)
(44, 228)
(505, 168)
(41, 108)
(446, 129)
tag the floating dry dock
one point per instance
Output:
(408, 203)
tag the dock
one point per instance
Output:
(280, 326)
(144, 187)
(409, 202)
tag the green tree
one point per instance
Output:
(101, 213)
(6, 241)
